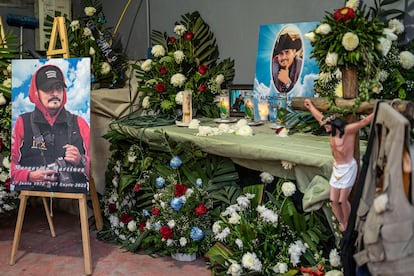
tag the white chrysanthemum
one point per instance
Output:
(105, 68)
(324, 77)
(383, 75)
(310, 36)
(384, 46)
(146, 102)
(266, 177)
(353, 4)
(250, 261)
(234, 208)
(179, 56)
(288, 188)
(114, 220)
(179, 98)
(334, 273)
(89, 11)
(296, 250)
(132, 225)
(234, 269)
(350, 41)
(406, 60)
(323, 29)
(146, 65)
(180, 29)
(234, 218)
(194, 124)
(239, 243)
(380, 203)
(222, 235)
(331, 59)
(396, 25)
(183, 241)
(74, 25)
(287, 165)
(219, 79)
(334, 258)
(178, 80)
(267, 215)
(216, 227)
(158, 51)
(243, 202)
(280, 268)
(7, 82)
(87, 32)
(245, 131)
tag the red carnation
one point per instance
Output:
(125, 218)
(202, 87)
(112, 208)
(137, 187)
(188, 36)
(163, 70)
(201, 209)
(203, 69)
(141, 226)
(7, 185)
(1, 143)
(166, 232)
(156, 211)
(161, 87)
(344, 14)
(180, 190)
(172, 39)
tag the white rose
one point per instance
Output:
(74, 25)
(87, 32)
(396, 26)
(7, 82)
(406, 60)
(288, 188)
(353, 4)
(179, 56)
(91, 51)
(350, 41)
(323, 29)
(234, 270)
(146, 65)
(331, 59)
(105, 68)
(6, 162)
(266, 177)
(178, 80)
(180, 29)
(158, 51)
(89, 11)
(384, 46)
(310, 36)
(219, 79)
(171, 223)
(132, 226)
(179, 98)
(3, 100)
(9, 68)
(146, 102)
(280, 268)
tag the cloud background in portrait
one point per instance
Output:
(263, 86)
(77, 79)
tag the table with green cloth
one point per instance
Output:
(264, 152)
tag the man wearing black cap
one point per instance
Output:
(50, 145)
(286, 64)
(345, 167)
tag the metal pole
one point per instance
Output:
(148, 27)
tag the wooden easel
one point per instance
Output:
(2, 34)
(59, 28)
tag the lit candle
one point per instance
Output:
(263, 111)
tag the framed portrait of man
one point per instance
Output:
(51, 125)
(284, 68)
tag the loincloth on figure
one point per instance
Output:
(344, 175)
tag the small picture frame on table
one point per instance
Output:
(241, 96)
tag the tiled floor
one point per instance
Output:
(40, 254)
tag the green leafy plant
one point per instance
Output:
(186, 61)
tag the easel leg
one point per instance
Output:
(87, 255)
(18, 230)
(95, 205)
(49, 218)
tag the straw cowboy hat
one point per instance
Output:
(287, 42)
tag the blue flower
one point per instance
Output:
(175, 162)
(156, 225)
(199, 182)
(196, 233)
(160, 182)
(176, 203)
(145, 213)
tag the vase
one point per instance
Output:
(184, 257)
(350, 83)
